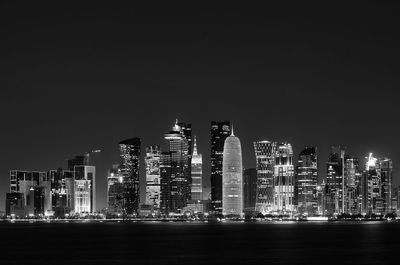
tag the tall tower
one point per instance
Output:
(335, 180)
(197, 172)
(284, 201)
(249, 189)
(115, 190)
(130, 157)
(307, 181)
(232, 177)
(219, 132)
(265, 157)
(175, 172)
(152, 160)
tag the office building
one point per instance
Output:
(232, 177)
(130, 160)
(219, 132)
(307, 181)
(153, 188)
(265, 158)
(284, 181)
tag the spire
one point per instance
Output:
(194, 147)
(232, 130)
(176, 127)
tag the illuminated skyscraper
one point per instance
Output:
(284, 201)
(197, 174)
(175, 172)
(265, 157)
(232, 181)
(352, 181)
(85, 191)
(377, 186)
(334, 181)
(153, 189)
(115, 190)
(130, 157)
(386, 167)
(307, 181)
(219, 132)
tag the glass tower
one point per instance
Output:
(265, 158)
(219, 132)
(307, 181)
(130, 157)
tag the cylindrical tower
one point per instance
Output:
(232, 177)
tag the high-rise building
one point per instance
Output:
(219, 132)
(352, 180)
(265, 158)
(22, 181)
(115, 190)
(62, 191)
(284, 201)
(386, 171)
(130, 160)
(85, 189)
(197, 174)
(249, 189)
(307, 181)
(175, 172)
(232, 177)
(153, 189)
(335, 181)
(377, 186)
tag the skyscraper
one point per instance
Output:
(175, 172)
(232, 180)
(153, 189)
(335, 181)
(307, 181)
(284, 201)
(249, 189)
(85, 189)
(352, 181)
(130, 160)
(197, 174)
(386, 168)
(219, 132)
(265, 158)
(115, 190)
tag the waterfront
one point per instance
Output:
(200, 243)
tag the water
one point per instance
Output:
(191, 243)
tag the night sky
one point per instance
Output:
(81, 77)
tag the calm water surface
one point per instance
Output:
(191, 243)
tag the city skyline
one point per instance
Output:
(69, 89)
(282, 156)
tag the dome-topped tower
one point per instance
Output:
(232, 177)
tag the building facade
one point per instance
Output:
(284, 181)
(129, 165)
(153, 188)
(232, 181)
(265, 158)
(307, 182)
(197, 174)
(220, 130)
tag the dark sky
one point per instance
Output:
(81, 77)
